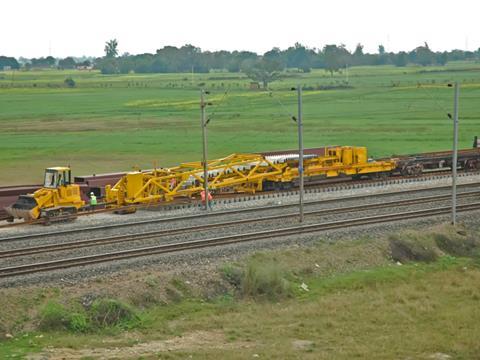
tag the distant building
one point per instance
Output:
(7, 68)
(254, 85)
(84, 67)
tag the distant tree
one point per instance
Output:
(318, 60)
(358, 57)
(400, 59)
(456, 55)
(262, 70)
(142, 63)
(47, 62)
(50, 60)
(67, 63)
(441, 58)
(382, 57)
(190, 58)
(298, 56)
(239, 57)
(158, 65)
(11, 62)
(111, 48)
(108, 66)
(274, 54)
(358, 50)
(336, 57)
(423, 55)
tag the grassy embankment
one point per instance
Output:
(110, 123)
(357, 302)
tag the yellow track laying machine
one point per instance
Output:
(235, 173)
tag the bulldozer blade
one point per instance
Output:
(24, 208)
(25, 214)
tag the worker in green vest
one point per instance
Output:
(93, 201)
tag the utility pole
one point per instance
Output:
(455, 155)
(203, 105)
(300, 150)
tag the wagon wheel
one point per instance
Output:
(418, 170)
(472, 165)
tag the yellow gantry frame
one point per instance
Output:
(238, 173)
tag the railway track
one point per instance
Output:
(236, 211)
(159, 233)
(12, 271)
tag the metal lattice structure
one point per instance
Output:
(240, 173)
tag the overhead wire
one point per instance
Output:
(435, 100)
(284, 108)
(219, 104)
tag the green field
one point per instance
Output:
(112, 123)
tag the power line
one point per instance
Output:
(286, 112)
(212, 115)
(434, 98)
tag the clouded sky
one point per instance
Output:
(34, 28)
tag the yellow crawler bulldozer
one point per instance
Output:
(57, 197)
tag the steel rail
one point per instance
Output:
(224, 240)
(167, 232)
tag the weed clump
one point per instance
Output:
(111, 312)
(261, 278)
(78, 322)
(232, 274)
(102, 313)
(265, 279)
(54, 316)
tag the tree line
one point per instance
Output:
(332, 58)
(189, 58)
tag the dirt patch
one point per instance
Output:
(302, 344)
(191, 341)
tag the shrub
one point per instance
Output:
(54, 316)
(232, 274)
(265, 279)
(69, 82)
(412, 247)
(78, 322)
(110, 312)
